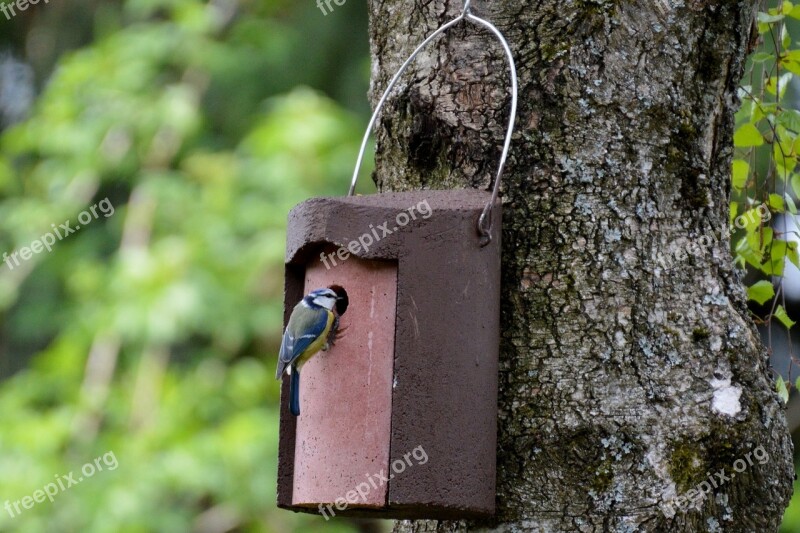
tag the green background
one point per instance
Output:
(153, 333)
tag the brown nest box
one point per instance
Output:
(399, 418)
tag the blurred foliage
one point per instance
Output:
(152, 332)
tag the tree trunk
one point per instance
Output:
(631, 372)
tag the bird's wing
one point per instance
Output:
(302, 330)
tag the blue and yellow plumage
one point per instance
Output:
(306, 334)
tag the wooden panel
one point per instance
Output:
(343, 431)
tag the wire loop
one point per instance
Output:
(484, 224)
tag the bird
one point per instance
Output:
(310, 329)
(342, 301)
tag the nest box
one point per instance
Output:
(399, 418)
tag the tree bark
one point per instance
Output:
(622, 358)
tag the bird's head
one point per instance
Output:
(342, 300)
(322, 297)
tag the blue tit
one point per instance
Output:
(307, 333)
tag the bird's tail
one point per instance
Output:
(294, 392)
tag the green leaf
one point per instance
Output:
(791, 253)
(790, 205)
(760, 57)
(789, 119)
(782, 156)
(766, 18)
(747, 135)
(797, 384)
(741, 169)
(795, 12)
(753, 222)
(791, 66)
(783, 392)
(777, 258)
(777, 85)
(746, 254)
(733, 212)
(758, 240)
(758, 112)
(769, 108)
(783, 316)
(776, 203)
(760, 291)
(791, 61)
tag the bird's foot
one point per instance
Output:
(335, 333)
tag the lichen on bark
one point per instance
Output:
(613, 362)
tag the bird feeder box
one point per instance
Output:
(399, 418)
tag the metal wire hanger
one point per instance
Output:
(484, 225)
